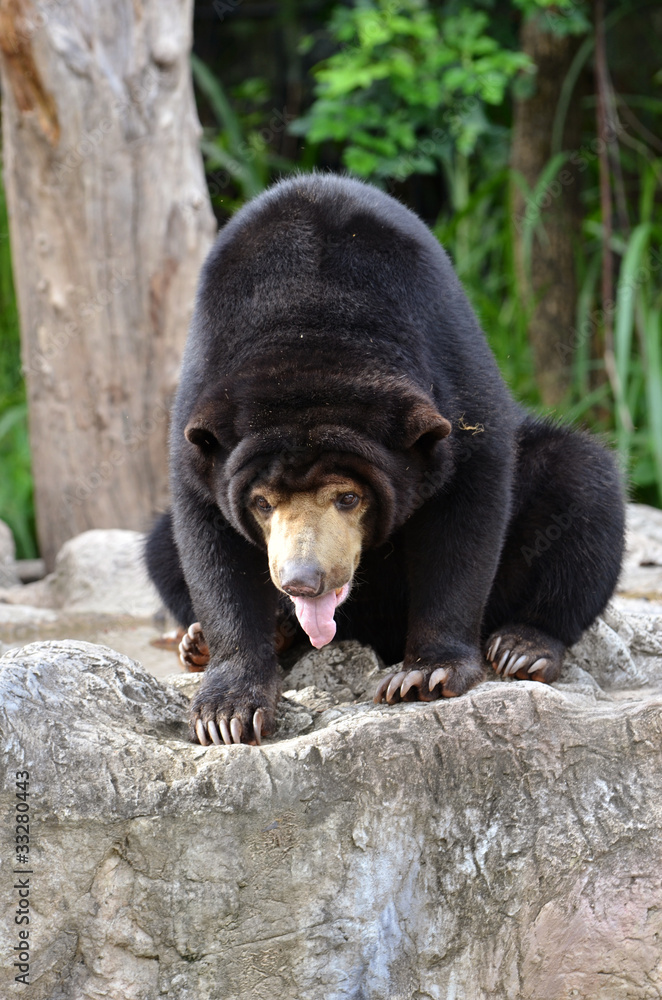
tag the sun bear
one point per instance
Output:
(344, 452)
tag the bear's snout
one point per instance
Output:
(300, 578)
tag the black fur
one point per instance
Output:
(329, 328)
(165, 568)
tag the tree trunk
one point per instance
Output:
(547, 281)
(109, 223)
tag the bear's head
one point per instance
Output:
(315, 477)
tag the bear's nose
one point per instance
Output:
(301, 579)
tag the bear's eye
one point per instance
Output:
(348, 500)
(263, 504)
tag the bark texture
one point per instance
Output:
(547, 281)
(499, 846)
(109, 222)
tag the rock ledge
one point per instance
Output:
(505, 844)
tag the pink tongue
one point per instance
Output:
(315, 616)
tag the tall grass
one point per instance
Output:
(627, 409)
(16, 496)
(477, 239)
(637, 350)
(236, 151)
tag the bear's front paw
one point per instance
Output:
(448, 677)
(227, 713)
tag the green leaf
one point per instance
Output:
(653, 379)
(624, 314)
(360, 161)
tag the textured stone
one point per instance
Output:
(25, 615)
(98, 571)
(103, 571)
(505, 844)
(8, 575)
(642, 567)
(30, 570)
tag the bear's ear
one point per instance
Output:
(423, 425)
(202, 428)
(201, 436)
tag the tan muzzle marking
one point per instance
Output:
(319, 530)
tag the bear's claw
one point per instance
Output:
(394, 684)
(193, 649)
(201, 733)
(412, 679)
(224, 735)
(525, 653)
(419, 684)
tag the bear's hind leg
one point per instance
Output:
(165, 570)
(194, 652)
(193, 649)
(562, 554)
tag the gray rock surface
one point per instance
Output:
(642, 567)
(98, 571)
(8, 575)
(30, 570)
(99, 592)
(506, 844)
(103, 571)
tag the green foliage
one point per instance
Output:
(622, 397)
(562, 17)
(637, 380)
(616, 387)
(408, 87)
(421, 88)
(16, 500)
(478, 240)
(409, 91)
(238, 150)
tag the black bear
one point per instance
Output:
(344, 449)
